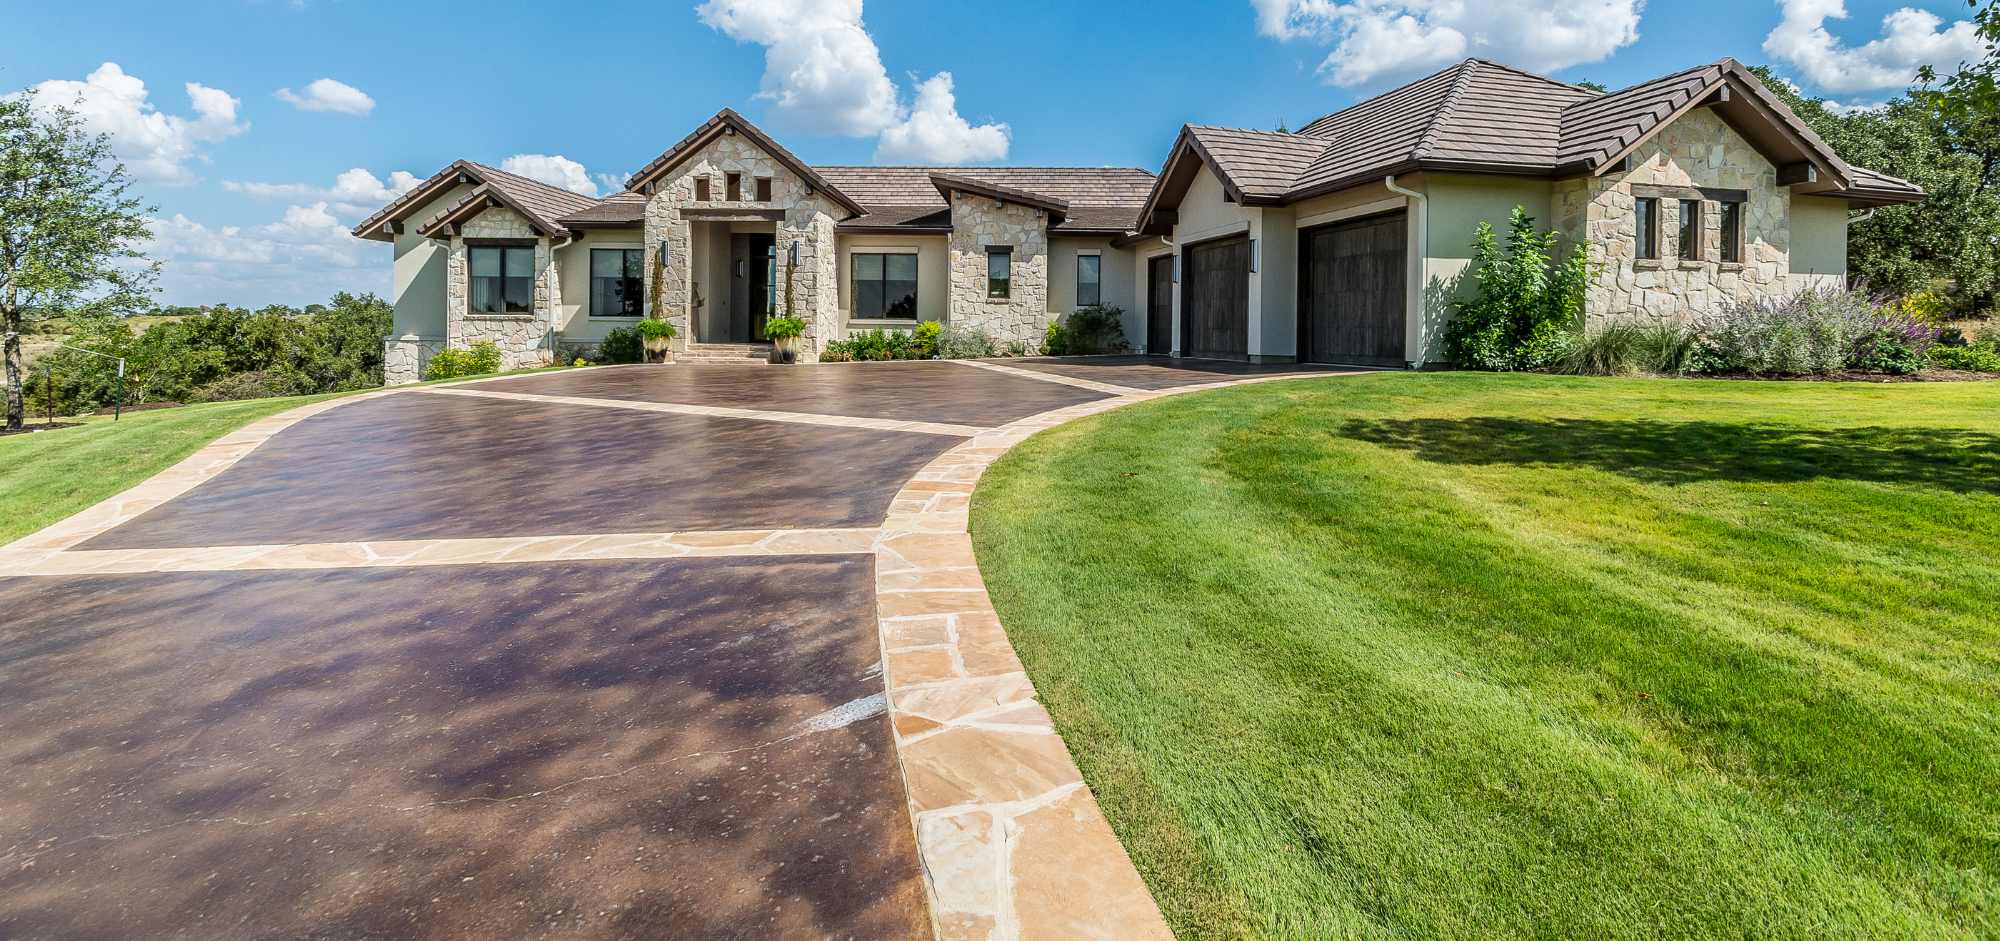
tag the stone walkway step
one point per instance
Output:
(731, 354)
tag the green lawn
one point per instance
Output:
(1455, 655)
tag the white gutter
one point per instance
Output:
(555, 282)
(1862, 216)
(1414, 304)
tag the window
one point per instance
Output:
(701, 189)
(1089, 269)
(503, 279)
(1646, 212)
(885, 286)
(732, 187)
(1690, 229)
(1732, 232)
(999, 272)
(617, 282)
(763, 189)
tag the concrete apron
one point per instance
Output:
(1012, 843)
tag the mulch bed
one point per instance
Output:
(42, 426)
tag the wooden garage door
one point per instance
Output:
(1160, 305)
(1215, 299)
(1351, 306)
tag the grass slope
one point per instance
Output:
(1463, 655)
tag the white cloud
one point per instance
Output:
(303, 257)
(934, 132)
(355, 193)
(1910, 39)
(325, 94)
(556, 170)
(1373, 40)
(611, 182)
(824, 75)
(153, 145)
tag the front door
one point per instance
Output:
(1160, 305)
(753, 285)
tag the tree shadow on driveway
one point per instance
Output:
(1669, 452)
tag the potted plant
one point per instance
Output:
(784, 333)
(658, 336)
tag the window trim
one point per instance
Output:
(1693, 219)
(501, 246)
(1006, 282)
(590, 282)
(1097, 286)
(854, 284)
(1731, 249)
(760, 189)
(1646, 232)
(732, 187)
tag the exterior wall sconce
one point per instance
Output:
(663, 253)
(792, 255)
(1253, 256)
(1177, 267)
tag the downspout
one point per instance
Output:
(1862, 216)
(1423, 247)
(555, 283)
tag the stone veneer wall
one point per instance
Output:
(1698, 149)
(404, 357)
(522, 338)
(976, 222)
(812, 287)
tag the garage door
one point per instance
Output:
(1352, 307)
(1215, 299)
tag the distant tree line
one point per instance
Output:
(215, 354)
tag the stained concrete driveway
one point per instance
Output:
(689, 747)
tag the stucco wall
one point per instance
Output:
(978, 222)
(574, 319)
(1458, 203)
(1696, 150)
(933, 274)
(808, 222)
(418, 295)
(1138, 314)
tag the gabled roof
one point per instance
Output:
(538, 202)
(1097, 200)
(727, 121)
(1484, 117)
(620, 209)
(1870, 188)
(949, 183)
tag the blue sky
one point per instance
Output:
(247, 120)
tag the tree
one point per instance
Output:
(70, 234)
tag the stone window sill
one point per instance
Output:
(1695, 265)
(885, 323)
(502, 316)
(999, 300)
(1646, 264)
(1729, 266)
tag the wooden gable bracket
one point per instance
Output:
(1793, 174)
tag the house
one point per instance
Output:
(1342, 242)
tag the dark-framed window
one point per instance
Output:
(732, 187)
(1646, 216)
(885, 286)
(999, 272)
(1732, 231)
(1691, 229)
(762, 187)
(701, 189)
(1089, 280)
(503, 278)
(617, 282)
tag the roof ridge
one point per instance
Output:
(1378, 96)
(1517, 70)
(963, 168)
(1717, 64)
(1467, 70)
(551, 187)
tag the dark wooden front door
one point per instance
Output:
(1351, 291)
(752, 290)
(1160, 305)
(1215, 299)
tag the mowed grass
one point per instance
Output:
(1456, 655)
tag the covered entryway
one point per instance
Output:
(1160, 305)
(1215, 299)
(1352, 291)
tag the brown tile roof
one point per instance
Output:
(1876, 189)
(541, 203)
(1595, 130)
(621, 209)
(1094, 199)
(1259, 164)
(728, 120)
(894, 218)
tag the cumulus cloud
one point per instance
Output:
(555, 170)
(153, 145)
(611, 182)
(933, 132)
(1374, 40)
(304, 256)
(355, 193)
(824, 75)
(325, 94)
(1910, 39)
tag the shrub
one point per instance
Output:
(1096, 329)
(965, 343)
(1928, 306)
(252, 385)
(1975, 357)
(1627, 348)
(1055, 340)
(873, 345)
(1528, 304)
(1888, 353)
(926, 338)
(482, 358)
(1812, 332)
(784, 328)
(622, 345)
(655, 329)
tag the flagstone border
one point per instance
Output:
(1012, 841)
